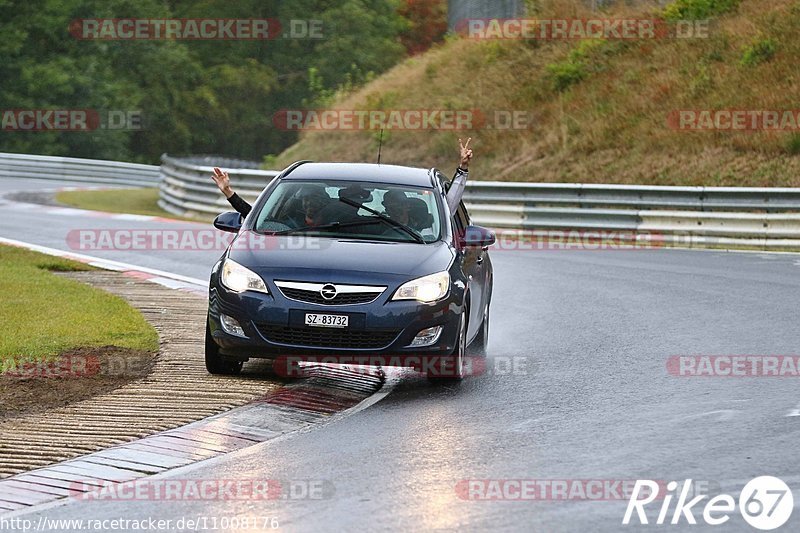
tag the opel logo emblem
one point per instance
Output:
(328, 291)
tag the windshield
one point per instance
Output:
(353, 210)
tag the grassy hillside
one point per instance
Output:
(599, 107)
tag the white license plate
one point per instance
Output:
(326, 321)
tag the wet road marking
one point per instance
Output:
(724, 414)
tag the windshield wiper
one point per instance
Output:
(332, 225)
(394, 223)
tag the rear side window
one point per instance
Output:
(464, 214)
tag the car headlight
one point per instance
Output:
(425, 289)
(239, 279)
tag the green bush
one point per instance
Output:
(793, 144)
(270, 162)
(758, 52)
(585, 58)
(698, 9)
(566, 73)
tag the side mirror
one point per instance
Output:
(479, 236)
(230, 222)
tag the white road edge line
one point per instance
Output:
(105, 264)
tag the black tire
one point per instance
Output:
(217, 364)
(480, 344)
(458, 355)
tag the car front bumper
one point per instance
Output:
(274, 326)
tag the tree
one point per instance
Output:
(426, 24)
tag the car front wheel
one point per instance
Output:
(453, 369)
(481, 343)
(218, 364)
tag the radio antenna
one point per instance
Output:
(380, 145)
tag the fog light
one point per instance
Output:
(426, 337)
(231, 326)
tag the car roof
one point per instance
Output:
(390, 174)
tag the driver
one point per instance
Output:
(313, 199)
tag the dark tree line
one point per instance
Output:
(194, 96)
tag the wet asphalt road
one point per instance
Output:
(34, 224)
(591, 398)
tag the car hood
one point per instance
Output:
(300, 258)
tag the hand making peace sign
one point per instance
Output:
(466, 154)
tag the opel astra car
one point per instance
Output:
(360, 259)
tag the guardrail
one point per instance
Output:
(187, 189)
(765, 218)
(20, 166)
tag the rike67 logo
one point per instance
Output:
(765, 503)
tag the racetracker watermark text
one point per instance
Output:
(431, 365)
(76, 366)
(186, 240)
(579, 29)
(37, 120)
(734, 366)
(210, 29)
(202, 490)
(734, 120)
(402, 119)
(545, 489)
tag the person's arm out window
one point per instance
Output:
(459, 183)
(223, 182)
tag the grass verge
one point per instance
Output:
(63, 341)
(44, 315)
(129, 201)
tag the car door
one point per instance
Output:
(473, 266)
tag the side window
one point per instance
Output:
(460, 222)
(462, 215)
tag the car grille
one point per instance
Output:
(328, 337)
(346, 294)
(314, 297)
